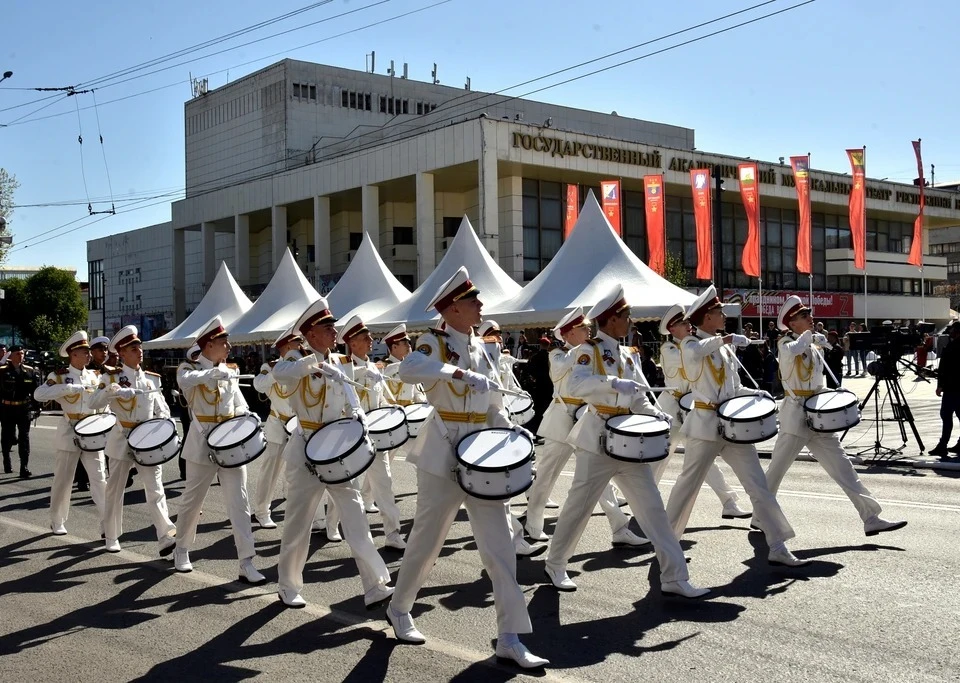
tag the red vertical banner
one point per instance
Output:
(573, 210)
(700, 184)
(610, 190)
(656, 231)
(916, 245)
(801, 178)
(748, 174)
(858, 207)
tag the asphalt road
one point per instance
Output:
(866, 609)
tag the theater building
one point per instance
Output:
(310, 157)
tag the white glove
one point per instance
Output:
(666, 418)
(523, 431)
(739, 341)
(627, 387)
(374, 376)
(820, 339)
(362, 419)
(765, 394)
(218, 374)
(333, 372)
(126, 393)
(478, 382)
(72, 389)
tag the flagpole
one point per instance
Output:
(810, 304)
(866, 319)
(760, 302)
(810, 274)
(922, 314)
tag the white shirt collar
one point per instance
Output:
(603, 336)
(459, 336)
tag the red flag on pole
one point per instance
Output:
(610, 189)
(700, 184)
(916, 245)
(573, 208)
(801, 178)
(750, 194)
(858, 207)
(656, 235)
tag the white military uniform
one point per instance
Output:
(671, 362)
(72, 389)
(555, 428)
(713, 377)
(211, 402)
(596, 362)
(130, 412)
(459, 410)
(801, 371)
(317, 400)
(405, 393)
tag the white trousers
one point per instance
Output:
(304, 492)
(378, 479)
(593, 472)
(550, 461)
(233, 486)
(153, 490)
(714, 479)
(64, 467)
(438, 500)
(743, 460)
(271, 463)
(829, 453)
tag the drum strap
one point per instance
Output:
(307, 424)
(78, 416)
(803, 393)
(127, 425)
(610, 411)
(212, 418)
(572, 401)
(453, 416)
(282, 418)
(703, 405)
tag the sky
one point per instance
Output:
(821, 78)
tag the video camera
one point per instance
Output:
(889, 341)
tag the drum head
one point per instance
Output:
(383, 420)
(494, 450)
(637, 425)
(828, 401)
(580, 411)
(334, 440)
(517, 404)
(417, 412)
(746, 408)
(686, 401)
(234, 431)
(152, 434)
(291, 425)
(92, 425)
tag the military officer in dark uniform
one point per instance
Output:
(17, 384)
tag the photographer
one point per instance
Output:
(948, 389)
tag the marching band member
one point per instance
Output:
(399, 345)
(458, 377)
(289, 347)
(98, 353)
(72, 387)
(505, 362)
(676, 329)
(711, 370)
(573, 330)
(319, 395)
(608, 377)
(801, 370)
(211, 388)
(378, 477)
(134, 396)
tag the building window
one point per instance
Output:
(406, 280)
(95, 273)
(406, 106)
(420, 108)
(390, 105)
(366, 102)
(353, 100)
(542, 224)
(402, 235)
(383, 104)
(355, 239)
(296, 90)
(344, 99)
(450, 226)
(313, 92)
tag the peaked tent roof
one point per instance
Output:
(283, 300)
(589, 263)
(367, 288)
(224, 298)
(465, 250)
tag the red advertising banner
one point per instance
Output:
(573, 209)
(858, 207)
(750, 194)
(610, 189)
(700, 184)
(656, 230)
(916, 246)
(826, 304)
(801, 178)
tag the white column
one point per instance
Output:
(370, 209)
(179, 275)
(279, 233)
(489, 200)
(321, 235)
(241, 246)
(426, 227)
(511, 226)
(208, 247)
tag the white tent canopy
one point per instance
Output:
(465, 250)
(587, 266)
(224, 298)
(367, 288)
(283, 300)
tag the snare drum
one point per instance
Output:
(637, 438)
(417, 414)
(154, 442)
(387, 427)
(90, 433)
(339, 451)
(291, 425)
(580, 411)
(495, 464)
(520, 409)
(833, 410)
(237, 441)
(686, 405)
(748, 419)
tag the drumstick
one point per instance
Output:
(345, 380)
(745, 371)
(508, 392)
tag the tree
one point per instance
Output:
(674, 271)
(8, 186)
(51, 308)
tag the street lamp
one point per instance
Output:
(6, 75)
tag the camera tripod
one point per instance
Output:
(888, 376)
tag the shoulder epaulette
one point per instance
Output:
(62, 371)
(339, 357)
(152, 374)
(107, 370)
(272, 365)
(633, 349)
(4, 367)
(28, 368)
(595, 341)
(232, 366)
(440, 333)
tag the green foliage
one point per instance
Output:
(46, 308)
(674, 271)
(8, 186)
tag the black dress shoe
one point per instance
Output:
(25, 473)
(940, 450)
(7, 468)
(955, 448)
